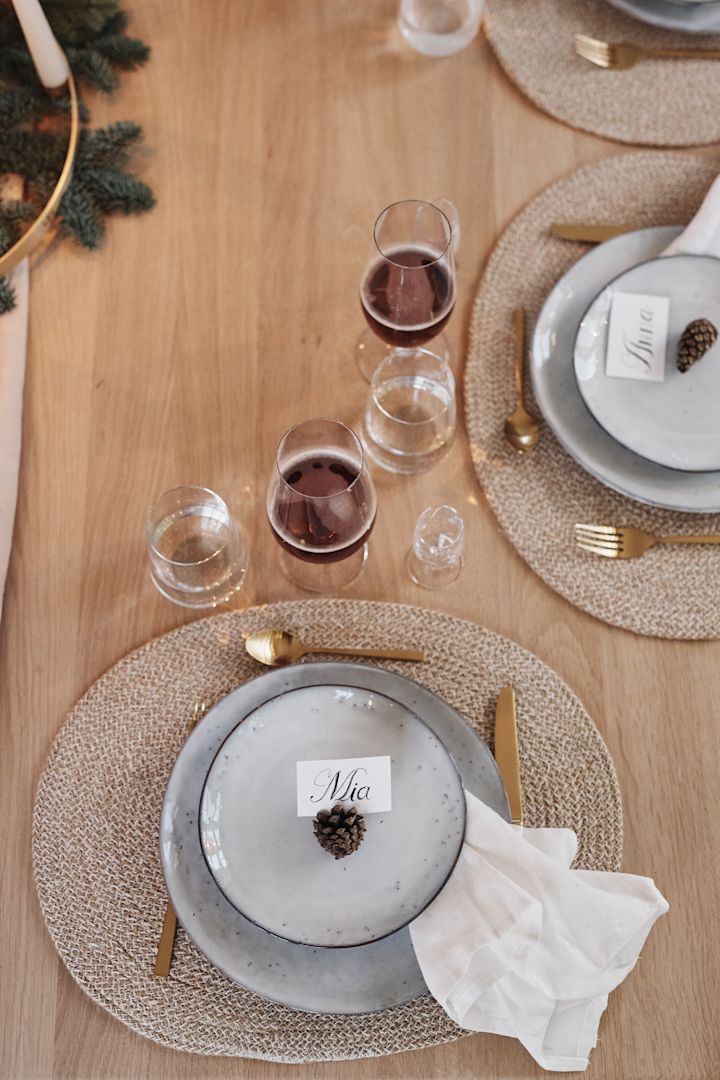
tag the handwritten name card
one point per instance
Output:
(362, 782)
(637, 337)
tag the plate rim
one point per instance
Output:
(419, 911)
(669, 18)
(608, 285)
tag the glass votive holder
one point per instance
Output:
(198, 555)
(410, 416)
(436, 556)
(440, 27)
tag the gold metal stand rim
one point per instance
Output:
(32, 237)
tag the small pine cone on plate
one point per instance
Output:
(695, 340)
(340, 830)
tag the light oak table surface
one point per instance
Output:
(180, 352)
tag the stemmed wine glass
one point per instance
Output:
(408, 287)
(321, 504)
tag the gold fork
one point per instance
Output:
(620, 57)
(163, 959)
(626, 542)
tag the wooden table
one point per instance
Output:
(180, 352)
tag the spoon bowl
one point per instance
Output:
(521, 431)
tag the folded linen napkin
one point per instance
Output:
(702, 235)
(519, 944)
(13, 345)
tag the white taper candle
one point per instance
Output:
(48, 57)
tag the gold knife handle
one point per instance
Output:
(163, 960)
(519, 334)
(507, 754)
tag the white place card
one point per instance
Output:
(361, 782)
(637, 337)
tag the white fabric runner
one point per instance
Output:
(13, 348)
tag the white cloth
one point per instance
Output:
(13, 347)
(702, 236)
(519, 944)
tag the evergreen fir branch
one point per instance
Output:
(21, 105)
(7, 296)
(78, 18)
(109, 146)
(80, 217)
(17, 210)
(115, 192)
(32, 154)
(91, 65)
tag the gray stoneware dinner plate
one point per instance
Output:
(673, 422)
(557, 394)
(266, 858)
(364, 978)
(699, 18)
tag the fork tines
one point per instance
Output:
(600, 540)
(597, 52)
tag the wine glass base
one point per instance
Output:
(370, 351)
(327, 578)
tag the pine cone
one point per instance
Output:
(697, 337)
(340, 830)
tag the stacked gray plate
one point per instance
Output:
(691, 18)
(558, 396)
(251, 885)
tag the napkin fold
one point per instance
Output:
(13, 347)
(519, 944)
(702, 235)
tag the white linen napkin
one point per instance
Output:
(702, 235)
(13, 347)
(519, 944)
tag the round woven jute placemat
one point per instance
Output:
(671, 592)
(95, 836)
(655, 103)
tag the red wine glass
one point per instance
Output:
(407, 291)
(321, 504)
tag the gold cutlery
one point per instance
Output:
(588, 233)
(521, 430)
(622, 56)
(163, 958)
(507, 754)
(278, 647)
(626, 542)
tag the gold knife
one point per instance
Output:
(506, 751)
(164, 955)
(587, 233)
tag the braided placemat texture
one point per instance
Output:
(671, 592)
(95, 835)
(655, 103)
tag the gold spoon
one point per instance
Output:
(521, 431)
(278, 647)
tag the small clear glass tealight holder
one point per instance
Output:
(436, 556)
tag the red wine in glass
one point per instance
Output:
(326, 512)
(321, 504)
(407, 296)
